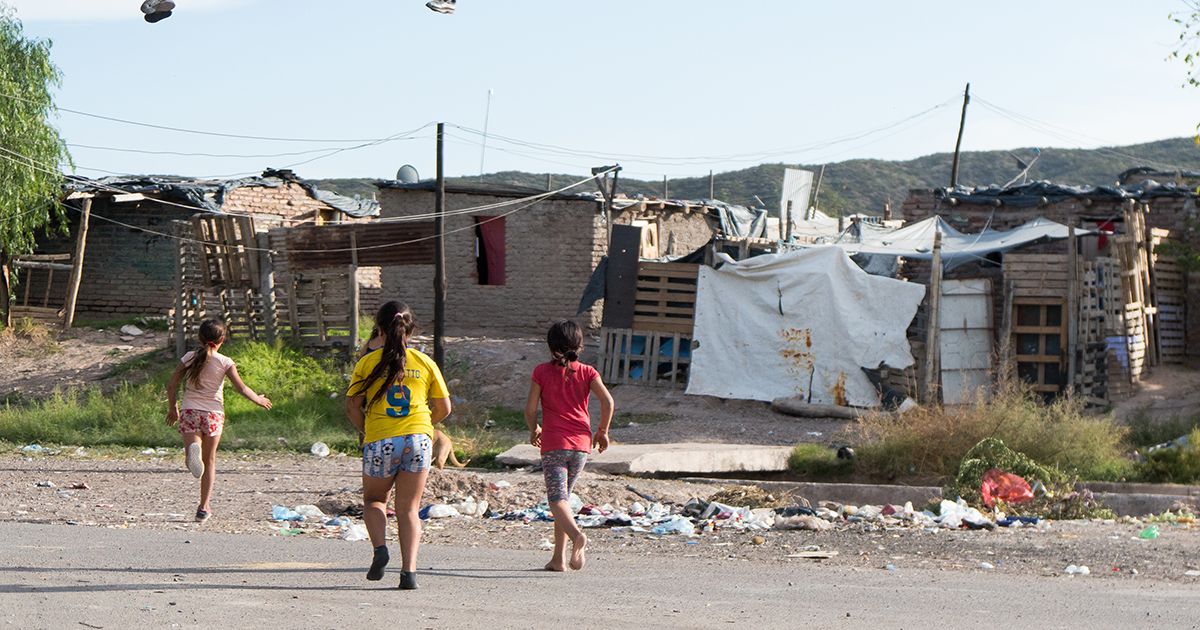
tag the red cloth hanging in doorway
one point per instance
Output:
(491, 232)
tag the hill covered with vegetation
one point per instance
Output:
(866, 185)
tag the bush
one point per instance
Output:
(1147, 430)
(932, 441)
(1180, 464)
(816, 461)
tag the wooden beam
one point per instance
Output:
(85, 215)
(931, 377)
(1072, 306)
(352, 346)
(128, 197)
(79, 195)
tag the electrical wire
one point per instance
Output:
(532, 200)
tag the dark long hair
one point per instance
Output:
(395, 322)
(565, 339)
(212, 333)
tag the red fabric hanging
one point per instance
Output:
(491, 232)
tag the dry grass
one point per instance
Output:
(931, 441)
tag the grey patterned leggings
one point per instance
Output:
(561, 469)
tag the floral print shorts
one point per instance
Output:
(403, 453)
(209, 423)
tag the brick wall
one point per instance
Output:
(550, 251)
(691, 230)
(130, 271)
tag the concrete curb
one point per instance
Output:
(671, 459)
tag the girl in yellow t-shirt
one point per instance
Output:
(396, 395)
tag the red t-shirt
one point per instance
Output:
(566, 424)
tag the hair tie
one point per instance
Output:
(212, 344)
(398, 316)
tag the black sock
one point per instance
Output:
(378, 563)
(408, 580)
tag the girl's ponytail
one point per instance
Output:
(212, 334)
(395, 320)
(565, 339)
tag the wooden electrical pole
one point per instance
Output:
(958, 143)
(439, 257)
(933, 324)
(711, 185)
(85, 215)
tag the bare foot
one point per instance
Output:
(578, 546)
(555, 566)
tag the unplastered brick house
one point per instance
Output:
(514, 265)
(130, 259)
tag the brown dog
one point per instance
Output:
(443, 451)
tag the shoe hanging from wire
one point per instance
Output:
(157, 10)
(441, 6)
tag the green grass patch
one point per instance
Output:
(932, 441)
(817, 461)
(306, 393)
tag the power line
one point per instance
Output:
(532, 200)
(185, 130)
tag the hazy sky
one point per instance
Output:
(665, 87)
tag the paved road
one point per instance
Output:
(57, 576)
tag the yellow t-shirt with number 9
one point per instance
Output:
(404, 409)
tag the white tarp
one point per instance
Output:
(916, 240)
(790, 323)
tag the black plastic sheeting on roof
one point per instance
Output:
(1037, 193)
(210, 194)
(1155, 174)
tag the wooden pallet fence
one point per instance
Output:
(665, 300)
(1037, 275)
(226, 251)
(629, 356)
(1170, 300)
(201, 293)
(43, 305)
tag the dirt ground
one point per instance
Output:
(1167, 392)
(156, 493)
(499, 369)
(31, 369)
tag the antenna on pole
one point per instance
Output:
(487, 114)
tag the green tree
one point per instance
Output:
(31, 149)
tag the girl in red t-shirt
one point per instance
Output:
(562, 386)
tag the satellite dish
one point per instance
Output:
(407, 175)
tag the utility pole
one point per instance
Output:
(666, 188)
(487, 114)
(608, 190)
(711, 185)
(439, 257)
(958, 143)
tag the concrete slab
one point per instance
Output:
(685, 458)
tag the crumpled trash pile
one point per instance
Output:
(698, 516)
(303, 519)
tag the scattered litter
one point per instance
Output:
(499, 485)
(803, 521)
(44, 484)
(546, 544)
(354, 533)
(320, 449)
(758, 540)
(131, 330)
(1150, 532)
(986, 566)
(148, 451)
(648, 497)
(815, 433)
(288, 531)
(339, 521)
(80, 486)
(34, 449)
(1077, 570)
(1192, 573)
(890, 567)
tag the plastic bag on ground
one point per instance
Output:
(1006, 487)
(439, 510)
(677, 525)
(952, 515)
(591, 520)
(320, 449)
(280, 513)
(802, 521)
(310, 512)
(355, 533)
